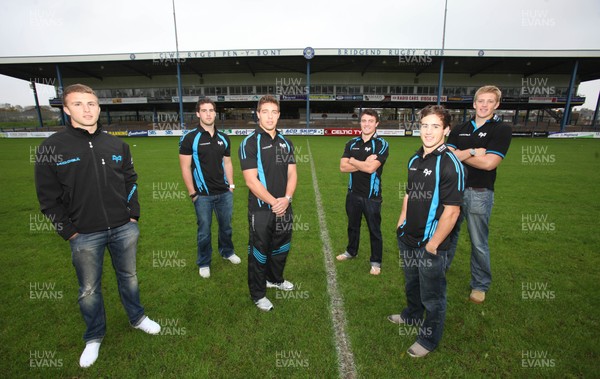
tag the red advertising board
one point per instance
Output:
(342, 132)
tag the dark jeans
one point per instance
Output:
(356, 207)
(425, 285)
(87, 252)
(222, 205)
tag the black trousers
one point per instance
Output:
(356, 207)
(268, 248)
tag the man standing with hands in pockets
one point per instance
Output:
(430, 209)
(87, 186)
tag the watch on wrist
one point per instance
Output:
(289, 198)
(194, 195)
(472, 152)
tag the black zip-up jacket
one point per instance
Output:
(86, 182)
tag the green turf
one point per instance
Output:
(543, 235)
(27, 124)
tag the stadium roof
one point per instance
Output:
(253, 61)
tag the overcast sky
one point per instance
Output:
(35, 28)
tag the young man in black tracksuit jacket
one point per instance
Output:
(86, 182)
(86, 186)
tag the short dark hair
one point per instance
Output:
(76, 88)
(267, 99)
(370, 112)
(438, 110)
(205, 100)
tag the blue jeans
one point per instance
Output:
(222, 205)
(476, 209)
(425, 286)
(356, 206)
(87, 253)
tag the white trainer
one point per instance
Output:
(89, 355)
(264, 304)
(234, 259)
(284, 286)
(204, 272)
(148, 326)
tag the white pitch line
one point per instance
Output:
(346, 365)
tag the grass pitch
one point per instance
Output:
(539, 320)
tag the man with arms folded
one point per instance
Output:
(364, 158)
(481, 144)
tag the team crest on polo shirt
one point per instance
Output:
(427, 172)
(220, 143)
(367, 148)
(481, 134)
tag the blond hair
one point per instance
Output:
(489, 89)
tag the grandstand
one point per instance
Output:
(140, 91)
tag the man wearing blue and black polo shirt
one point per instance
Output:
(430, 209)
(269, 168)
(364, 158)
(481, 144)
(205, 160)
